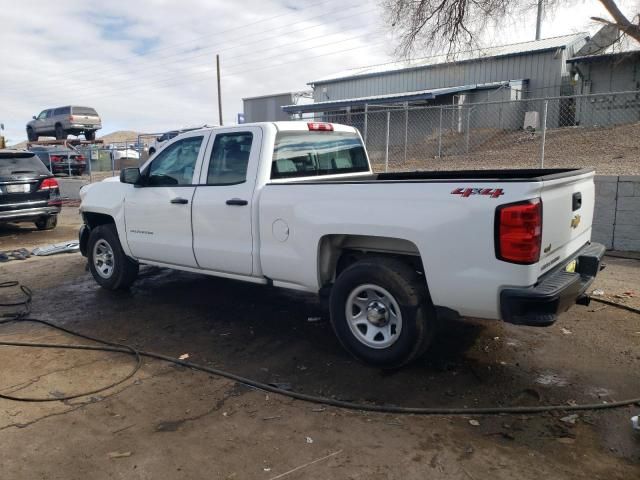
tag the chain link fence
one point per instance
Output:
(600, 130)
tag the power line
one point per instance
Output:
(181, 56)
(136, 85)
(67, 83)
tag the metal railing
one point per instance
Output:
(574, 130)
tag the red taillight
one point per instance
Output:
(49, 184)
(71, 119)
(80, 158)
(320, 127)
(519, 232)
(55, 158)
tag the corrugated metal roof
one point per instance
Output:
(327, 105)
(472, 55)
(603, 56)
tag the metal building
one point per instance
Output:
(267, 108)
(604, 73)
(536, 69)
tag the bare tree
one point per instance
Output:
(455, 24)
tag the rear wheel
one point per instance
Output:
(381, 312)
(90, 135)
(32, 136)
(60, 133)
(109, 265)
(47, 223)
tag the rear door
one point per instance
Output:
(158, 214)
(223, 202)
(567, 215)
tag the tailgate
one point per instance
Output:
(567, 214)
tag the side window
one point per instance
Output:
(43, 115)
(49, 113)
(175, 164)
(229, 158)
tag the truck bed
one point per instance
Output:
(512, 175)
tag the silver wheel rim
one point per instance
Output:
(374, 316)
(103, 258)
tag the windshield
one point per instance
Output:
(305, 154)
(17, 163)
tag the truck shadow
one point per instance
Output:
(283, 337)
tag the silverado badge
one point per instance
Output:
(575, 221)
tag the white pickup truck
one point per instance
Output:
(296, 205)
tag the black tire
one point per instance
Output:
(60, 133)
(31, 135)
(408, 290)
(90, 135)
(47, 223)
(124, 270)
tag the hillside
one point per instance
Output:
(119, 136)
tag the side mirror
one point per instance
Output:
(34, 117)
(130, 175)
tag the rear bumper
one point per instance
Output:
(28, 214)
(555, 292)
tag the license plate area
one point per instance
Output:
(571, 266)
(21, 188)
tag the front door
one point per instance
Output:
(40, 125)
(222, 204)
(158, 213)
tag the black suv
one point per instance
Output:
(28, 191)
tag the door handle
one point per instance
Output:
(237, 201)
(179, 200)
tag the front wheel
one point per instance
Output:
(109, 265)
(381, 312)
(32, 136)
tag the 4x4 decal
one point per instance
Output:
(467, 192)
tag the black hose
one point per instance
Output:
(112, 347)
(616, 304)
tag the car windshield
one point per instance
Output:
(84, 111)
(14, 163)
(305, 154)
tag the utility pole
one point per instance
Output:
(219, 92)
(539, 20)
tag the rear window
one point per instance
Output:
(13, 164)
(84, 111)
(306, 154)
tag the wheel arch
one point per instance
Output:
(92, 220)
(337, 251)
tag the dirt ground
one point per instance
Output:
(611, 150)
(169, 422)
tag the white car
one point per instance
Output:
(296, 205)
(119, 153)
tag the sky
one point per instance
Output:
(149, 65)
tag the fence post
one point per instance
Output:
(468, 130)
(406, 129)
(440, 135)
(366, 111)
(113, 163)
(68, 162)
(544, 132)
(386, 153)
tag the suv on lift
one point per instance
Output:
(62, 121)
